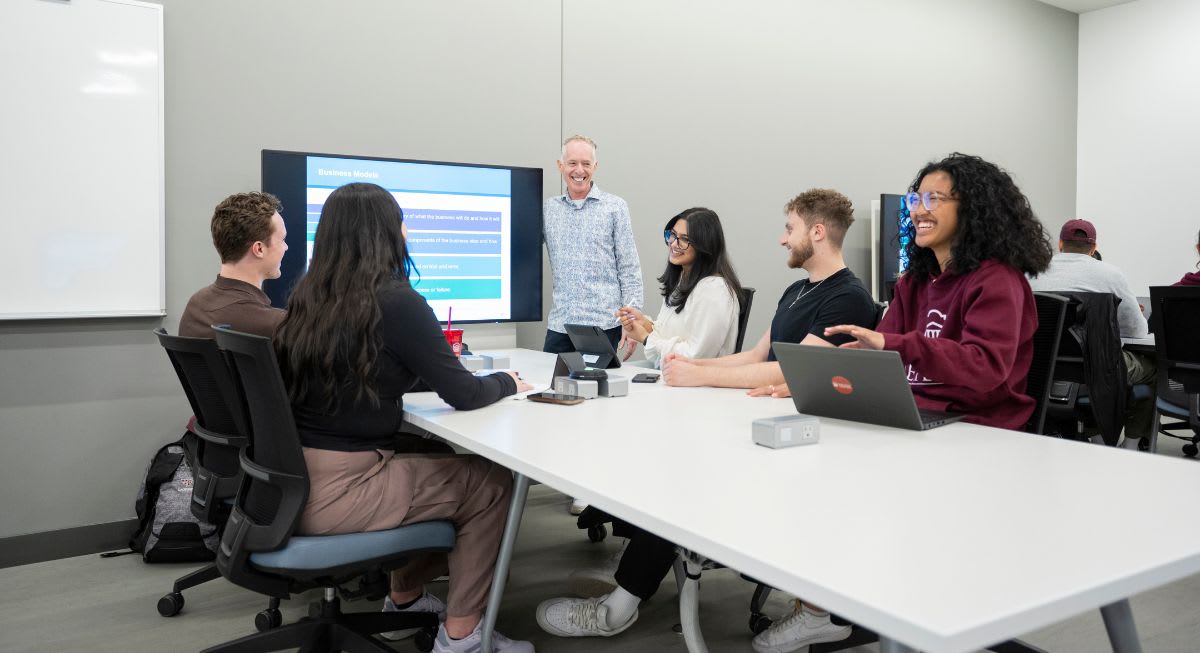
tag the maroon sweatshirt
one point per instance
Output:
(1189, 279)
(966, 342)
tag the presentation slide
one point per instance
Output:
(460, 228)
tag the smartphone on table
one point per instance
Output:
(645, 378)
(555, 398)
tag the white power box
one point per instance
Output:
(786, 431)
(577, 387)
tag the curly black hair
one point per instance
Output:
(995, 221)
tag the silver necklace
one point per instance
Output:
(802, 294)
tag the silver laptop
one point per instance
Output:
(858, 385)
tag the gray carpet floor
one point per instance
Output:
(92, 604)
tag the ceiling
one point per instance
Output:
(1082, 6)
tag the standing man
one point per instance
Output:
(592, 254)
(248, 233)
(1075, 269)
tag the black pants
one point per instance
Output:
(559, 343)
(646, 561)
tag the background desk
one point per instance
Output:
(947, 540)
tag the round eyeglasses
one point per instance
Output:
(670, 238)
(929, 199)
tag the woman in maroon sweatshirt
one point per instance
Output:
(1191, 278)
(963, 315)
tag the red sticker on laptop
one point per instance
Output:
(842, 385)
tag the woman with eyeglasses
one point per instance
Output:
(699, 315)
(963, 314)
(357, 336)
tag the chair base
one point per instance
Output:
(331, 630)
(171, 604)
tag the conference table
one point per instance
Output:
(947, 540)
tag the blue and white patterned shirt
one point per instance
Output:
(593, 259)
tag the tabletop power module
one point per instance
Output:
(786, 431)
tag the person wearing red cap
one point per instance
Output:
(1074, 269)
(1191, 278)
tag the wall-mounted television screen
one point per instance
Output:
(895, 230)
(474, 231)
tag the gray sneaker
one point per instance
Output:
(427, 603)
(798, 631)
(473, 643)
(578, 618)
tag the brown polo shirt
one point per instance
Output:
(228, 301)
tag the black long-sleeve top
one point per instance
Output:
(413, 348)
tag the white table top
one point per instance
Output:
(946, 540)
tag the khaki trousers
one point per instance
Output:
(361, 491)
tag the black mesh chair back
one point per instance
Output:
(880, 309)
(275, 479)
(1051, 312)
(745, 301)
(220, 424)
(1175, 313)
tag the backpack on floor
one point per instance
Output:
(167, 530)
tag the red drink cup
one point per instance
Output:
(454, 339)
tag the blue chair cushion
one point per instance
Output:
(1171, 409)
(1141, 391)
(1137, 392)
(313, 552)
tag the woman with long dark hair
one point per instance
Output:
(700, 290)
(963, 314)
(356, 338)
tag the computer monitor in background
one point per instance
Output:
(895, 230)
(474, 231)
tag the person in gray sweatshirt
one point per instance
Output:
(1074, 269)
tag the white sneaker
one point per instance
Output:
(426, 603)
(798, 631)
(578, 618)
(577, 507)
(473, 643)
(597, 580)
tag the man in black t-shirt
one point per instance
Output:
(817, 221)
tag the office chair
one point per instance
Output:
(1051, 312)
(261, 552)
(745, 301)
(1176, 316)
(219, 428)
(1090, 323)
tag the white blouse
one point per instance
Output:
(706, 328)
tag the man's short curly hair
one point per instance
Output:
(824, 206)
(241, 220)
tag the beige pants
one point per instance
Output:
(360, 491)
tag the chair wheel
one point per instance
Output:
(170, 605)
(597, 533)
(1190, 450)
(759, 622)
(268, 619)
(423, 640)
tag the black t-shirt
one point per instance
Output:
(808, 307)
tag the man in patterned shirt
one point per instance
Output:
(592, 254)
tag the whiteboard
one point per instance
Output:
(81, 159)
